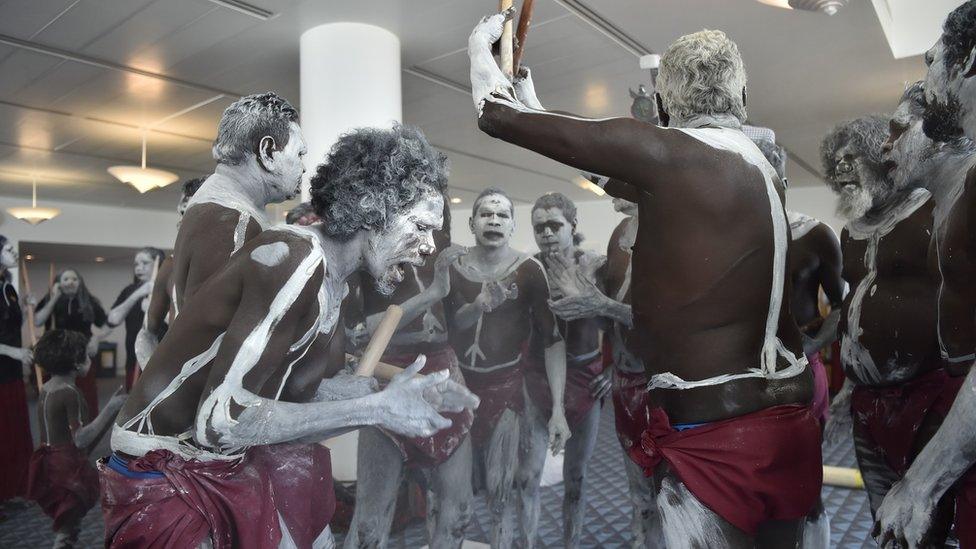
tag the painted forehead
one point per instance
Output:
(495, 201)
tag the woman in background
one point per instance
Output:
(131, 304)
(70, 306)
(15, 435)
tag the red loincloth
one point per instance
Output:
(749, 469)
(434, 450)
(888, 418)
(63, 483)
(631, 411)
(235, 503)
(577, 399)
(498, 390)
(821, 397)
(16, 443)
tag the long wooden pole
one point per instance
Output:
(505, 46)
(30, 322)
(524, 22)
(380, 340)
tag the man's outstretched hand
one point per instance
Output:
(406, 409)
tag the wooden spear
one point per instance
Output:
(524, 22)
(145, 317)
(380, 340)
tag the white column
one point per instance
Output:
(350, 78)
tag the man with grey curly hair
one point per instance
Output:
(259, 150)
(853, 167)
(713, 327)
(898, 387)
(251, 375)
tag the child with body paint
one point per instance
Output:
(61, 479)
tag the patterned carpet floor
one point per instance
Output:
(608, 513)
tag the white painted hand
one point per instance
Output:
(405, 410)
(143, 290)
(558, 431)
(486, 77)
(118, 400)
(24, 355)
(601, 384)
(525, 89)
(55, 292)
(494, 294)
(589, 304)
(441, 285)
(92, 347)
(451, 397)
(904, 518)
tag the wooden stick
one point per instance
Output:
(524, 22)
(380, 340)
(145, 318)
(50, 286)
(843, 476)
(30, 323)
(505, 46)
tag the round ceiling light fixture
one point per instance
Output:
(142, 177)
(830, 7)
(33, 214)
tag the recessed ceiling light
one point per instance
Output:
(455, 200)
(28, 257)
(584, 183)
(99, 259)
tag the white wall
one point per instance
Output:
(818, 202)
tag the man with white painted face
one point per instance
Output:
(712, 327)
(216, 444)
(498, 296)
(259, 150)
(444, 459)
(889, 341)
(945, 465)
(555, 226)
(607, 298)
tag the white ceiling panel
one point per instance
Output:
(24, 18)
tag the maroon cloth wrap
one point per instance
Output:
(631, 410)
(889, 418)
(434, 450)
(498, 390)
(62, 482)
(577, 399)
(235, 503)
(16, 443)
(748, 469)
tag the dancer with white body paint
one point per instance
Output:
(554, 224)
(444, 459)
(889, 348)
(216, 444)
(583, 299)
(498, 296)
(259, 150)
(162, 303)
(713, 328)
(945, 465)
(815, 263)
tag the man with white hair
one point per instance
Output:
(710, 296)
(259, 150)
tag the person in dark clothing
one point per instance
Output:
(15, 436)
(70, 306)
(130, 306)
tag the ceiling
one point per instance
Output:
(80, 79)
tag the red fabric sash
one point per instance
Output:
(749, 469)
(234, 503)
(62, 482)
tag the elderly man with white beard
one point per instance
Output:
(890, 351)
(945, 465)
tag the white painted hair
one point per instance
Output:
(702, 74)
